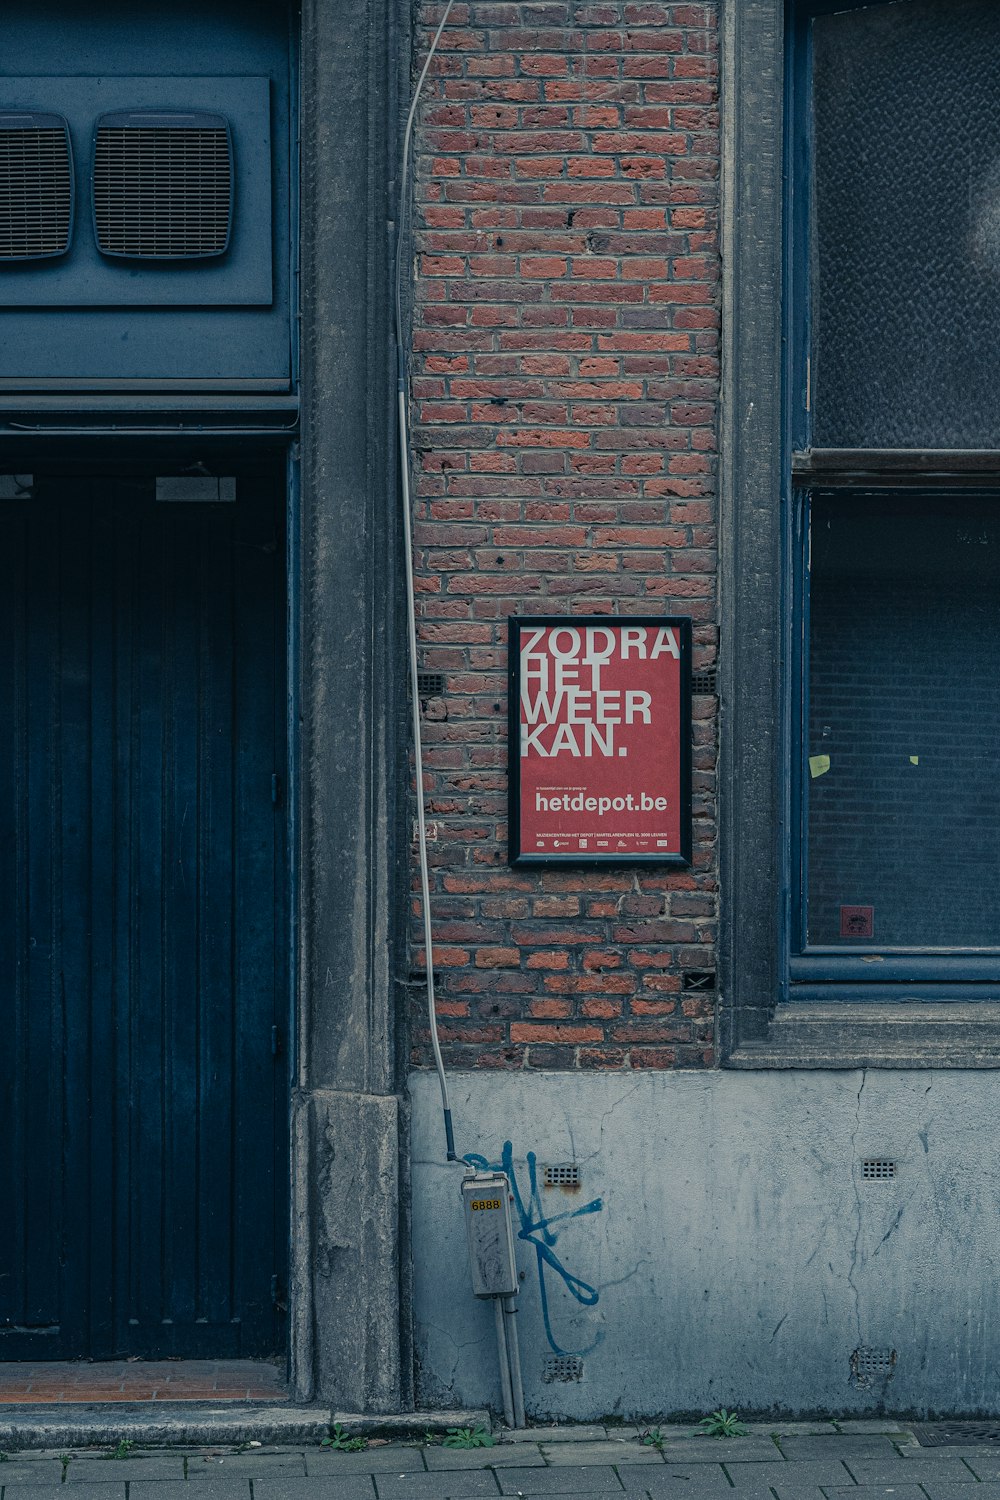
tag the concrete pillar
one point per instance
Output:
(349, 1312)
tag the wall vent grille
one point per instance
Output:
(163, 185)
(878, 1169)
(36, 186)
(562, 1367)
(704, 682)
(868, 1364)
(430, 684)
(562, 1174)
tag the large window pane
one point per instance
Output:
(902, 779)
(906, 231)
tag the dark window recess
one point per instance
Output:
(430, 684)
(163, 185)
(906, 252)
(703, 682)
(902, 812)
(36, 186)
(699, 979)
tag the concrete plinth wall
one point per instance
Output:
(723, 1247)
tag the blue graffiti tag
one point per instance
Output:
(536, 1230)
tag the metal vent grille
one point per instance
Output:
(562, 1367)
(163, 185)
(430, 684)
(704, 682)
(36, 186)
(878, 1169)
(867, 1364)
(564, 1174)
(955, 1434)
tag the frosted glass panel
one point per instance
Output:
(902, 782)
(906, 242)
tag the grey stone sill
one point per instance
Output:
(845, 1035)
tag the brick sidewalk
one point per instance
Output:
(794, 1461)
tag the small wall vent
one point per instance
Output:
(430, 684)
(562, 1174)
(163, 185)
(869, 1364)
(878, 1169)
(704, 682)
(36, 186)
(562, 1367)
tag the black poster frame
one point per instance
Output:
(681, 859)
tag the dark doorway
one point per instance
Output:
(143, 1078)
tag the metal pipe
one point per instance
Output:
(508, 1402)
(514, 1359)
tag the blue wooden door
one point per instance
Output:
(143, 1089)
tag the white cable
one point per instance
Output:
(404, 467)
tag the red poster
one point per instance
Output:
(600, 735)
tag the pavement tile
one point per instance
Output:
(875, 1425)
(567, 1434)
(571, 1480)
(839, 1446)
(614, 1452)
(990, 1490)
(330, 1463)
(900, 1471)
(985, 1464)
(721, 1451)
(805, 1475)
(877, 1492)
(685, 1482)
(673, 1431)
(348, 1487)
(787, 1490)
(15, 1472)
(793, 1429)
(33, 1455)
(40, 1492)
(111, 1470)
(250, 1465)
(922, 1455)
(424, 1486)
(166, 1489)
(497, 1457)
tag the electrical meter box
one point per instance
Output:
(486, 1200)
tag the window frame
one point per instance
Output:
(766, 459)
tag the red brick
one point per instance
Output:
(565, 189)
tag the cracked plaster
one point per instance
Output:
(739, 1255)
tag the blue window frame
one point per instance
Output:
(892, 506)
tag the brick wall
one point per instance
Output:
(564, 382)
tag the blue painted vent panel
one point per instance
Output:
(36, 186)
(89, 321)
(239, 275)
(162, 185)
